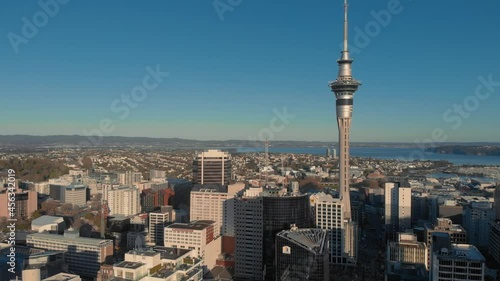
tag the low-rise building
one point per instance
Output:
(49, 224)
(83, 255)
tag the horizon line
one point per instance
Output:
(241, 140)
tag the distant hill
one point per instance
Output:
(110, 141)
(481, 150)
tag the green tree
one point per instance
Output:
(36, 214)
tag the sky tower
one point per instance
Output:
(344, 88)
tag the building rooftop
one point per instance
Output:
(169, 253)
(444, 227)
(467, 251)
(143, 252)
(62, 277)
(76, 186)
(312, 239)
(62, 238)
(194, 225)
(128, 264)
(416, 272)
(163, 273)
(123, 187)
(44, 220)
(211, 187)
(45, 254)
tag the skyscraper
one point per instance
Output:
(328, 215)
(478, 217)
(212, 166)
(397, 208)
(123, 200)
(157, 223)
(207, 203)
(259, 215)
(344, 88)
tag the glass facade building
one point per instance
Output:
(280, 212)
(302, 254)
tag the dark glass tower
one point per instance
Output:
(258, 218)
(302, 254)
(279, 213)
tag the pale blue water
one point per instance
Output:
(403, 154)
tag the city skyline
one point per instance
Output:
(229, 75)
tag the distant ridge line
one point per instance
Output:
(181, 142)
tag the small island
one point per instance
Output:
(481, 150)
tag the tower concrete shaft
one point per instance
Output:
(344, 88)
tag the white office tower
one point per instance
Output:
(123, 200)
(342, 235)
(196, 235)
(397, 208)
(42, 187)
(157, 174)
(129, 177)
(478, 217)
(207, 203)
(157, 223)
(453, 262)
(229, 209)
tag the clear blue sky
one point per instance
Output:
(227, 76)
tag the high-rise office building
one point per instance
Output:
(281, 211)
(344, 88)
(228, 209)
(249, 230)
(76, 194)
(497, 202)
(477, 219)
(195, 235)
(397, 209)
(26, 203)
(157, 223)
(494, 242)
(452, 262)
(259, 215)
(123, 200)
(419, 207)
(207, 203)
(328, 215)
(157, 174)
(302, 254)
(42, 187)
(457, 233)
(129, 177)
(212, 166)
(152, 199)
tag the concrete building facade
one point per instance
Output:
(83, 255)
(123, 200)
(397, 208)
(212, 166)
(207, 203)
